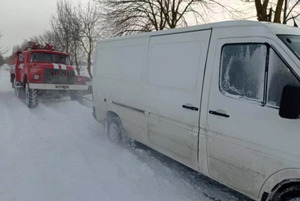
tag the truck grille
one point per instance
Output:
(57, 76)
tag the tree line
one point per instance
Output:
(76, 28)
(2, 59)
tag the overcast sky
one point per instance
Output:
(22, 19)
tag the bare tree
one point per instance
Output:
(61, 25)
(130, 16)
(51, 37)
(2, 61)
(75, 49)
(124, 17)
(75, 29)
(290, 10)
(65, 31)
(90, 31)
(0, 38)
(282, 10)
(2, 51)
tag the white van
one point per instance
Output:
(221, 98)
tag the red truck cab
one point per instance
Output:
(37, 69)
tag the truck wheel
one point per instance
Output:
(73, 96)
(31, 97)
(289, 194)
(114, 130)
(19, 91)
(15, 87)
(12, 80)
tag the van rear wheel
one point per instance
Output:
(114, 130)
(289, 194)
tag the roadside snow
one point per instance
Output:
(57, 152)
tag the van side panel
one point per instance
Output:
(176, 64)
(154, 83)
(146, 81)
(119, 83)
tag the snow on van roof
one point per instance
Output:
(273, 27)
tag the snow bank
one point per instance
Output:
(57, 152)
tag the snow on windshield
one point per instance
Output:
(49, 58)
(243, 69)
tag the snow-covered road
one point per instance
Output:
(57, 152)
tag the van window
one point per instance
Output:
(293, 42)
(243, 70)
(279, 75)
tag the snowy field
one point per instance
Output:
(57, 152)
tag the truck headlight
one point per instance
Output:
(36, 77)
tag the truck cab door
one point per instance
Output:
(19, 67)
(247, 139)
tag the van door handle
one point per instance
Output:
(218, 114)
(189, 107)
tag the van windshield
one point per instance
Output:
(293, 42)
(49, 58)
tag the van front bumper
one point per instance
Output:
(58, 86)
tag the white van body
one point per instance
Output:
(206, 97)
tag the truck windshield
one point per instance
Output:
(293, 42)
(49, 58)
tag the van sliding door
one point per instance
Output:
(176, 64)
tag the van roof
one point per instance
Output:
(273, 27)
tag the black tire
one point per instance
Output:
(12, 80)
(114, 130)
(22, 93)
(31, 97)
(289, 194)
(73, 96)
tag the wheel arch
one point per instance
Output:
(279, 181)
(113, 115)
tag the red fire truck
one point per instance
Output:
(37, 70)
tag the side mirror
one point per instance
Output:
(290, 102)
(21, 57)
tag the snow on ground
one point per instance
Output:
(57, 152)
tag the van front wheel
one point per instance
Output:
(114, 130)
(289, 194)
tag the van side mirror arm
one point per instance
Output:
(290, 102)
